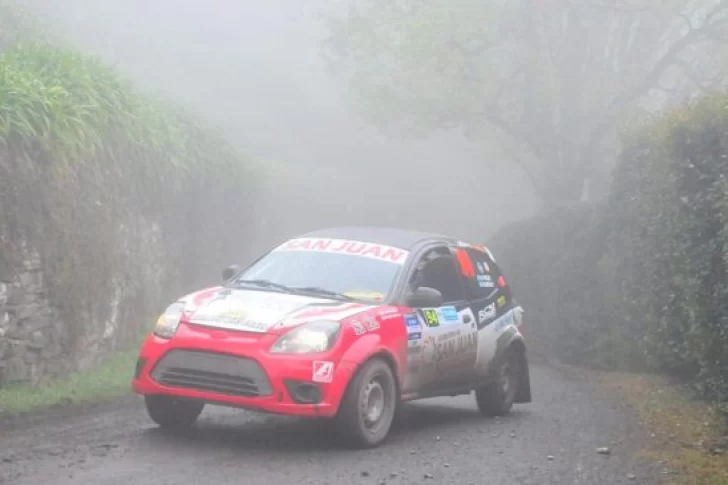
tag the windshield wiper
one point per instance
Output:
(293, 289)
(264, 284)
(320, 291)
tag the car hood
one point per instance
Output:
(262, 311)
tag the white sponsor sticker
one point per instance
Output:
(345, 246)
(323, 371)
(486, 313)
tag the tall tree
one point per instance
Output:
(550, 79)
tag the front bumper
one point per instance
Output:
(237, 370)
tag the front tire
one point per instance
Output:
(172, 413)
(497, 397)
(368, 406)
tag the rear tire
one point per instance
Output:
(369, 405)
(497, 397)
(173, 413)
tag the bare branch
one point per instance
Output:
(650, 80)
(687, 20)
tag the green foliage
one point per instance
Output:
(670, 219)
(642, 280)
(109, 379)
(114, 189)
(62, 105)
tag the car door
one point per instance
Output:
(442, 340)
(491, 300)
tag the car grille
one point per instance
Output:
(212, 372)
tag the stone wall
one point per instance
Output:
(31, 330)
(39, 341)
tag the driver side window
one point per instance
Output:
(438, 269)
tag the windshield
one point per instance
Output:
(356, 269)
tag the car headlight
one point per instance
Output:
(316, 336)
(168, 321)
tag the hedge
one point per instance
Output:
(669, 220)
(639, 281)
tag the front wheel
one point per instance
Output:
(369, 405)
(173, 413)
(496, 398)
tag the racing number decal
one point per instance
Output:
(431, 318)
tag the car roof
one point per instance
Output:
(388, 236)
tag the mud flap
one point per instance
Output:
(524, 386)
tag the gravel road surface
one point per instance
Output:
(439, 441)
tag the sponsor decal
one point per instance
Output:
(431, 317)
(483, 267)
(415, 336)
(448, 335)
(458, 344)
(358, 327)
(412, 321)
(323, 371)
(449, 314)
(371, 324)
(486, 313)
(485, 281)
(232, 314)
(467, 316)
(365, 295)
(368, 324)
(501, 301)
(344, 246)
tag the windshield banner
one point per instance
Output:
(344, 246)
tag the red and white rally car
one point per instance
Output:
(343, 323)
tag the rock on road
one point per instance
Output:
(438, 441)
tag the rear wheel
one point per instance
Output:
(369, 405)
(496, 398)
(172, 413)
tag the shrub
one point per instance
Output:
(641, 279)
(91, 171)
(562, 273)
(668, 211)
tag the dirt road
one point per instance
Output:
(439, 441)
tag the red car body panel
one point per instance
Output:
(388, 337)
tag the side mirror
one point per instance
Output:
(230, 271)
(425, 296)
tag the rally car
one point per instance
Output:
(343, 324)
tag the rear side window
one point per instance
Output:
(485, 279)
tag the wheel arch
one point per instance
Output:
(388, 358)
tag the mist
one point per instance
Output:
(255, 71)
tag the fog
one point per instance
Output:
(255, 71)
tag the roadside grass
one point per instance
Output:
(688, 437)
(109, 379)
